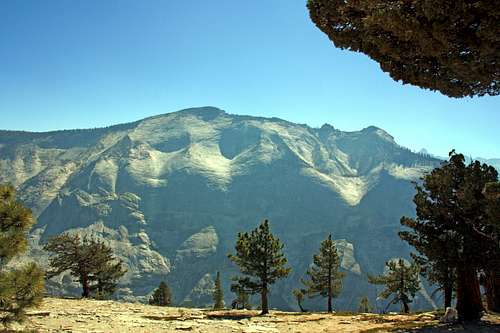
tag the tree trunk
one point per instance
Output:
(406, 308)
(86, 286)
(469, 305)
(492, 287)
(329, 289)
(263, 302)
(301, 308)
(448, 295)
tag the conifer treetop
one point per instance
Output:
(260, 258)
(401, 280)
(259, 255)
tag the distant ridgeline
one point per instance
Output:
(169, 194)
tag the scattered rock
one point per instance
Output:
(450, 316)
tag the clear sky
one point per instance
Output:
(91, 63)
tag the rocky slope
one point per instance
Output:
(171, 192)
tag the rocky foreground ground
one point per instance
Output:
(70, 315)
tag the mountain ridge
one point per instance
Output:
(186, 110)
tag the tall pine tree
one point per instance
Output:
(324, 276)
(451, 229)
(218, 294)
(260, 258)
(480, 250)
(400, 280)
(23, 287)
(492, 267)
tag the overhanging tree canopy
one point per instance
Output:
(452, 46)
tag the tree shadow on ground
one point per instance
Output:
(230, 316)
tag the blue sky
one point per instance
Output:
(91, 63)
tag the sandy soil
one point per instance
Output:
(65, 315)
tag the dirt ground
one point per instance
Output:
(65, 315)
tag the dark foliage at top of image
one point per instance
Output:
(451, 46)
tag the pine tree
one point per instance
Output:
(242, 300)
(91, 261)
(437, 262)
(299, 296)
(400, 279)
(218, 294)
(107, 269)
(161, 296)
(491, 192)
(452, 231)
(260, 258)
(106, 279)
(23, 287)
(481, 251)
(441, 273)
(68, 254)
(492, 267)
(364, 305)
(324, 276)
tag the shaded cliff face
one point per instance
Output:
(171, 192)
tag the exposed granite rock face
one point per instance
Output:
(202, 293)
(171, 192)
(346, 253)
(200, 245)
